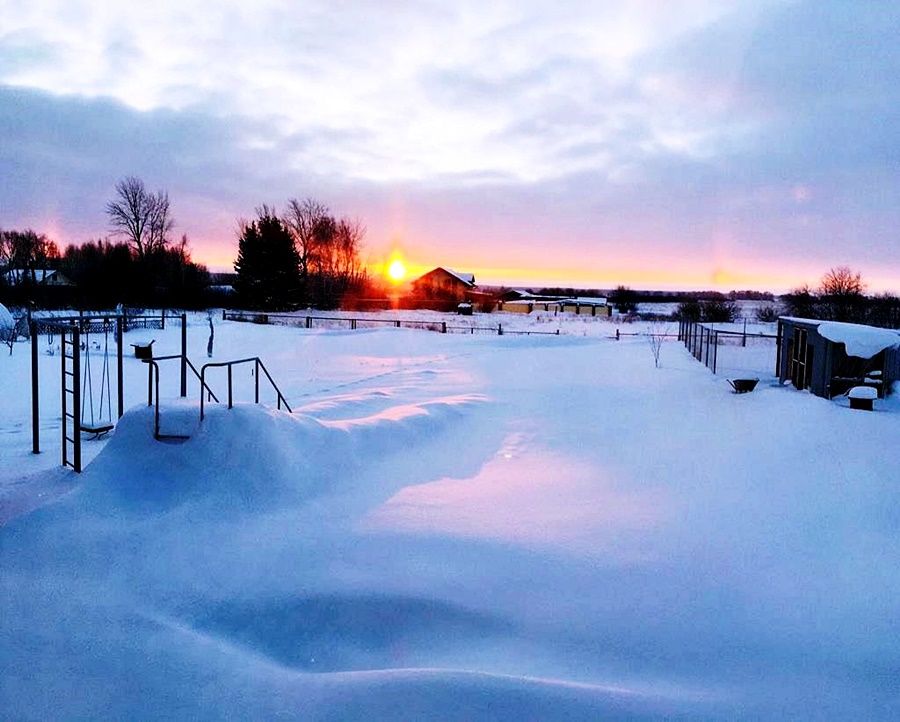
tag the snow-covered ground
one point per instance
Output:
(453, 527)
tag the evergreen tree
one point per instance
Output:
(267, 264)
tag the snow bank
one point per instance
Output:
(6, 320)
(861, 341)
(459, 528)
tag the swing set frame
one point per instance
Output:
(72, 330)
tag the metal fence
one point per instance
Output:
(311, 321)
(95, 322)
(703, 340)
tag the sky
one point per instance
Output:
(723, 144)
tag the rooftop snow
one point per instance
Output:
(861, 341)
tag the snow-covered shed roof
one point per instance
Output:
(860, 340)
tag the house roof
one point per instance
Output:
(16, 275)
(585, 301)
(466, 278)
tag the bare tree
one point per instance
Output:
(842, 281)
(655, 336)
(141, 217)
(304, 220)
(842, 290)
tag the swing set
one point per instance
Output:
(86, 376)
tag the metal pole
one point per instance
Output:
(119, 355)
(62, 349)
(35, 379)
(229, 386)
(183, 355)
(716, 354)
(76, 397)
(256, 390)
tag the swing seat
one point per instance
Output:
(98, 430)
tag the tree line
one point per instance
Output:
(301, 257)
(142, 266)
(841, 296)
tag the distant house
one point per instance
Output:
(43, 277)
(444, 284)
(829, 358)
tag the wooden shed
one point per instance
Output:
(829, 358)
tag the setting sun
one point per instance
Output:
(396, 270)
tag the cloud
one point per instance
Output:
(660, 134)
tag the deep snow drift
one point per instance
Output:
(465, 528)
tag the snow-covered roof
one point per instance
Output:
(585, 301)
(16, 275)
(468, 278)
(530, 302)
(859, 340)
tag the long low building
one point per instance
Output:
(581, 306)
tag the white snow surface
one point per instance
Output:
(452, 527)
(860, 340)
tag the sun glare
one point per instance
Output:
(396, 270)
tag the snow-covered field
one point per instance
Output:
(453, 527)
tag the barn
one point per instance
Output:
(829, 358)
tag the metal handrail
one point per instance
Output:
(280, 399)
(154, 366)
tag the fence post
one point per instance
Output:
(308, 322)
(744, 338)
(443, 327)
(229, 386)
(256, 390)
(164, 319)
(499, 329)
(35, 406)
(716, 354)
(223, 314)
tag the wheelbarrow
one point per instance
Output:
(743, 386)
(143, 350)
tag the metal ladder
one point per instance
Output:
(70, 347)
